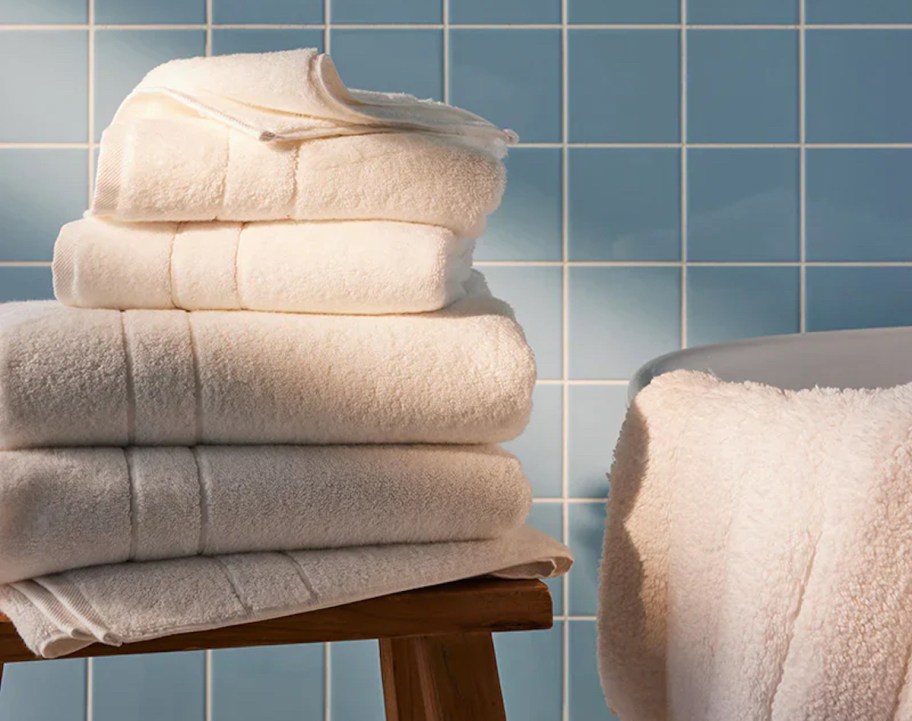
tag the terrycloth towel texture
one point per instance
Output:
(194, 169)
(72, 507)
(758, 554)
(294, 95)
(129, 602)
(359, 267)
(72, 376)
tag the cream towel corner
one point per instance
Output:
(345, 267)
(129, 602)
(70, 376)
(66, 508)
(757, 560)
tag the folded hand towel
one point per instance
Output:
(294, 95)
(70, 376)
(72, 507)
(193, 169)
(129, 602)
(368, 267)
(758, 559)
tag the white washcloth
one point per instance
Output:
(72, 376)
(294, 95)
(129, 602)
(194, 169)
(354, 267)
(758, 554)
(66, 508)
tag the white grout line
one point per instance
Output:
(468, 26)
(802, 170)
(683, 170)
(624, 264)
(445, 9)
(207, 685)
(559, 145)
(327, 26)
(208, 27)
(565, 349)
(90, 109)
(327, 681)
(89, 705)
(555, 500)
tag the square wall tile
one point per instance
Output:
(408, 61)
(625, 204)
(852, 11)
(742, 12)
(620, 318)
(47, 690)
(539, 446)
(587, 531)
(726, 304)
(528, 224)
(742, 204)
(44, 85)
(742, 86)
(276, 683)
(587, 702)
(387, 11)
(357, 691)
(30, 215)
(40, 12)
(143, 12)
(857, 86)
(535, 294)
(549, 518)
(530, 665)
(511, 77)
(238, 12)
(856, 297)
(479, 12)
(25, 283)
(123, 57)
(858, 205)
(624, 11)
(624, 85)
(596, 416)
(263, 40)
(149, 688)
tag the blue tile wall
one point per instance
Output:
(624, 85)
(742, 87)
(856, 86)
(742, 204)
(624, 204)
(604, 213)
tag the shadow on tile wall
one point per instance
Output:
(676, 185)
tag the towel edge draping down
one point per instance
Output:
(757, 558)
(57, 615)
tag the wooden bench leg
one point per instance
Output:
(449, 677)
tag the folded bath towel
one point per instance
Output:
(70, 376)
(294, 95)
(368, 267)
(758, 554)
(194, 169)
(129, 602)
(72, 507)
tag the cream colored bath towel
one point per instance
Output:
(73, 376)
(294, 95)
(155, 169)
(130, 602)
(72, 507)
(349, 267)
(758, 555)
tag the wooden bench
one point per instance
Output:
(436, 651)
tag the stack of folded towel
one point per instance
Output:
(132, 430)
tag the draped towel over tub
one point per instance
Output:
(758, 554)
